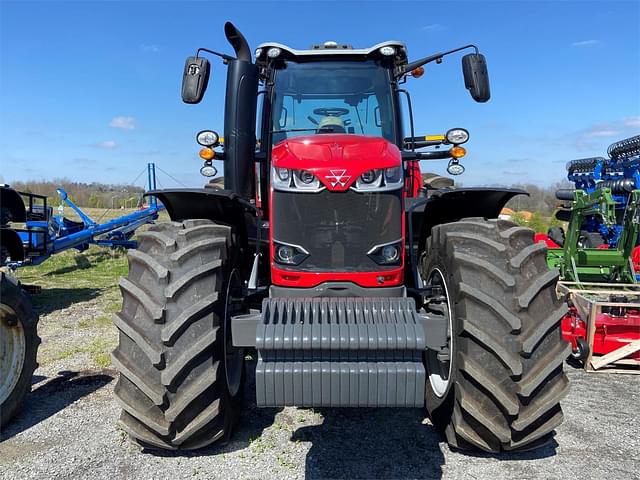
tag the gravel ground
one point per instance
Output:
(68, 430)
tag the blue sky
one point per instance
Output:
(90, 90)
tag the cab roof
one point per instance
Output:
(331, 51)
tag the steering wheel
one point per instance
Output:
(331, 112)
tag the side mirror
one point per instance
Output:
(476, 78)
(195, 79)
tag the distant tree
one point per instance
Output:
(83, 194)
(93, 200)
(537, 223)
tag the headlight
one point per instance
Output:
(457, 136)
(454, 168)
(295, 180)
(274, 52)
(306, 181)
(390, 253)
(393, 175)
(283, 174)
(368, 181)
(307, 177)
(208, 170)
(288, 254)
(369, 177)
(207, 138)
(379, 180)
(285, 253)
(387, 51)
(387, 254)
(281, 178)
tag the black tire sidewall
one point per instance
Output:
(440, 409)
(231, 405)
(20, 302)
(233, 402)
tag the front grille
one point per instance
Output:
(337, 228)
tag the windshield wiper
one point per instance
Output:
(294, 130)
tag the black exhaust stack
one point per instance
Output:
(240, 117)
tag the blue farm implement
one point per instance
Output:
(44, 234)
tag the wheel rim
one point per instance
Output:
(439, 370)
(12, 351)
(233, 356)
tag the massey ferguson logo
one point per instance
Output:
(338, 177)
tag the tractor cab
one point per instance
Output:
(329, 89)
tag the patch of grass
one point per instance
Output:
(71, 352)
(102, 359)
(96, 267)
(261, 444)
(284, 462)
(99, 350)
(113, 307)
(122, 435)
(102, 321)
(281, 426)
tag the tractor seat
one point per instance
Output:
(331, 124)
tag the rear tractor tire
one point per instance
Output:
(19, 343)
(181, 381)
(499, 385)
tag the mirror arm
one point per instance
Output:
(224, 56)
(431, 58)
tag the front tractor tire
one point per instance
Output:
(19, 343)
(499, 384)
(180, 382)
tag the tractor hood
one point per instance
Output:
(337, 160)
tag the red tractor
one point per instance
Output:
(323, 253)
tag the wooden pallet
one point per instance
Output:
(589, 298)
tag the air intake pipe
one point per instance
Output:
(240, 116)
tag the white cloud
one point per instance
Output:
(632, 122)
(107, 144)
(126, 123)
(434, 27)
(585, 43)
(150, 47)
(591, 138)
(601, 133)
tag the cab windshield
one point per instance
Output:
(331, 97)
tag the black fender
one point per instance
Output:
(12, 201)
(450, 205)
(221, 206)
(12, 243)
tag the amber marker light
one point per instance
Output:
(457, 152)
(417, 72)
(208, 154)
